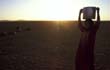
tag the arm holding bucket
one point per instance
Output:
(98, 19)
(82, 28)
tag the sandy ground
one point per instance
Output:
(48, 46)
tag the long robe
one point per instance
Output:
(85, 53)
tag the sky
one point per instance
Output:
(49, 9)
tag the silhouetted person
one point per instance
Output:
(18, 29)
(85, 53)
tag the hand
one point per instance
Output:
(98, 8)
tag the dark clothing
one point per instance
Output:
(85, 52)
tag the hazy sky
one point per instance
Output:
(49, 9)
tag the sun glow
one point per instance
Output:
(59, 10)
(53, 10)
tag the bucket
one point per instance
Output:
(89, 12)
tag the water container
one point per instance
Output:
(89, 12)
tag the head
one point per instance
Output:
(89, 22)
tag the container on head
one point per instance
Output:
(89, 12)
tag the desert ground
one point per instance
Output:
(48, 45)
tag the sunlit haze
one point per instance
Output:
(49, 9)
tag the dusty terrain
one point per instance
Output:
(48, 45)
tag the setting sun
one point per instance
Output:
(58, 9)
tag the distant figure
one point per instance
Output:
(18, 29)
(85, 53)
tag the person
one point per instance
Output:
(18, 29)
(85, 53)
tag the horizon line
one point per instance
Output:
(46, 20)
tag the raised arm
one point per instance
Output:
(97, 24)
(81, 27)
